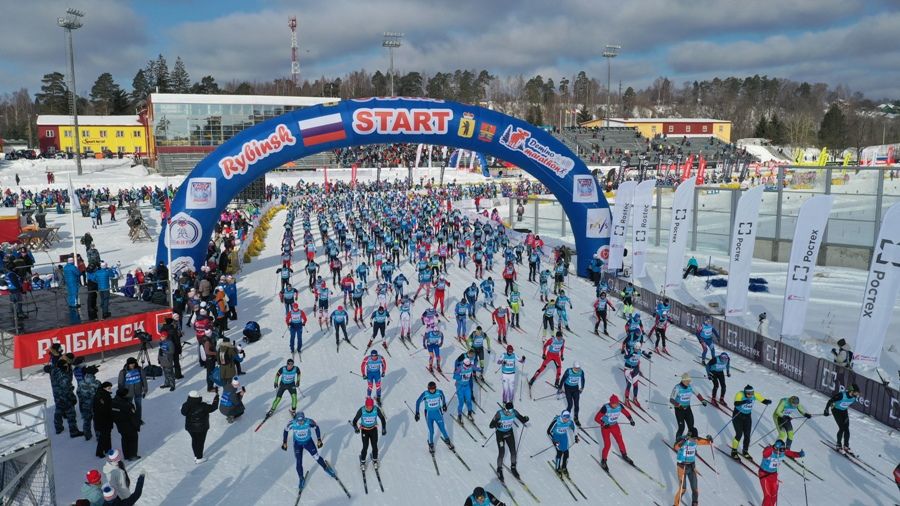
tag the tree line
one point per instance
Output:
(785, 111)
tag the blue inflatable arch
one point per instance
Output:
(212, 184)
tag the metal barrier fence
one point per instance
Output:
(26, 464)
(876, 399)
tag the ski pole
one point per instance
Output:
(778, 426)
(805, 493)
(488, 439)
(542, 451)
(726, 425)
(759, 420)
(521, 435)
(545, 397)
(408, 406)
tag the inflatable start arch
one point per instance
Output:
(212, 184)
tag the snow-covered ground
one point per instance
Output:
(247, 467)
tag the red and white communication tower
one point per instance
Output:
(295, 62)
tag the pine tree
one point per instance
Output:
(762, 128)
(103, 93)
(158, 75)
(584, 115)
(206, 86)
(181, 81)
(380, 83)
(54, 95)
(140, 86)
(833, 129)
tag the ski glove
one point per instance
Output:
(826, 412)
(802, 454)
(319, 443)
(383, 431)
(631, 422)
(444, 407)
(417, 417)
(728, 374)
(356, 430)
(704, 403)
(807, 415)
(767, 401)
(525, 419)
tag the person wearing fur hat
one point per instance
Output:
(231, 404)
(196, 421)
(91, 489)
(87, 390)
(116, 474)
(103, 419)
(127, 423)
(64, 396)
(132, 379)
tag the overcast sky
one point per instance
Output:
(850, 42)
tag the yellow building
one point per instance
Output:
(117, 134)
(672, 127)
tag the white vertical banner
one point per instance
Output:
(621, 212)
(743, 240)
(643, 203)
(430, 149)
(419, 155)
(880, 293)
(811, 222)
(471, 161)
(679, 227)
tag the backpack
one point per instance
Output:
(153, 371)
(252, 332)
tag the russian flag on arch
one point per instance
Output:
(328, 128)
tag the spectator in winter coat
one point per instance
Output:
(220, 310)
(171, 329)
(71, 276)
(103, 421)
(207, 355)
(166, 359)
(102, 278)
(110, 497)
(231, 293)
(196, 421)
(204, 288)
(225, 354)
(843, 355)
(64, 396)
(129, 289)
(231, 404)
(132, 379)
(87, 390)
(127, 423)
(91, 490)
(116, 474)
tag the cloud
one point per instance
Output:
(31, 43)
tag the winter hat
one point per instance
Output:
(509, 348)
(369, 403)
(686, 377)
(113, 455)
(105, 385)
(576, 365)
(193, 394)
(109, 493)
(122, 392)
(613, 399)
(478, 492)
(235, 383)
(564, 415)
(508, 405)
(93, 477)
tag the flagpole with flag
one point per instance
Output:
(167, 210)
(72, 200)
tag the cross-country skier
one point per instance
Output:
(487, 288)
(405, 318)
(768, 469)
(366, 423)
(839, 404)
(634, 331)
(288, 296)
(549, 312)
(509, 370)
(338, 319)
(561, 431)
(600, 311)
(478, 341)
(686, 462)
(509, 277)
(312, 270)
(515, 302)
(544, 284)
(660, 324)
(287, 379)
(380, 320)
(373, 368)
(356, 297)
(500, 316)
(554, 351)
(743, 418)
(471, 296)
(321, 293)
(717, 368)
(440, 292)
(680, 399)
(503, 422)
(572, 384)
(284, 274)
(296, 320)
(463, 376)
(707, 335)
(399, 282)
(480, 497)
(461, 311)
(432, 341)
(561, 301)
(787, 409)
(429, 318)
(608, 418)
(435, 407)
(302, 428)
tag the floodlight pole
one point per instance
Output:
(610, 53)
(72, 21)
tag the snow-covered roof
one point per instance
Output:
(670, 120)
(60, 120)
(190, 98)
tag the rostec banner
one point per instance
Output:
(880, 293)
(643, 204)
(746, 224)
(621, 212)
(810, 229)
(303, 132)
(679, 225)
(87, 338)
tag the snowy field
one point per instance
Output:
(247, 467)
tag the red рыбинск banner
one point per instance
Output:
(87, 338)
